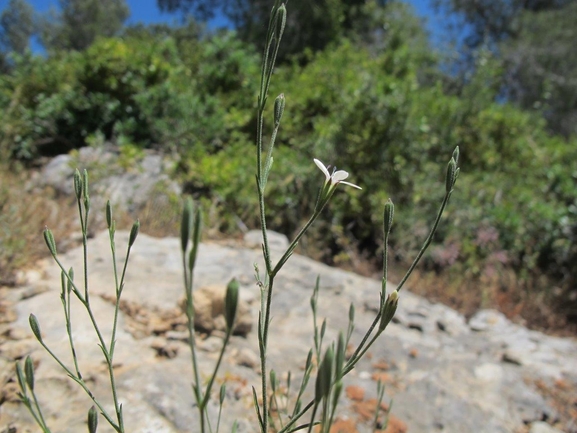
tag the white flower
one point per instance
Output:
(337, 177)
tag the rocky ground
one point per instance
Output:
(444, 373)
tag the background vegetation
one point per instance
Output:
(365, 91)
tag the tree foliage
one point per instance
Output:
(541, 64)
(311, 24)
(491, 21)
(534, 40)
(17, 25)
(79, 22)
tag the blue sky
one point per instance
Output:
(146, 11)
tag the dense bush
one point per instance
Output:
(380, 112)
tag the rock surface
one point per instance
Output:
(445, 374)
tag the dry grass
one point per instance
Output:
(24, 213)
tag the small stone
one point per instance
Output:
(342, 425)
(211, 344)
(383, 377)
(542, 427)
(382, 365)
(486, 320)
(511, 358)
(209, 311)
(396, 425)
(355, 393)
(247, 358)
(177, 335)
(364, 375)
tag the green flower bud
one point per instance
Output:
(85, 184)
(280, 22)
(352, 313)
(309, 361)
(451, 172)
(389, 310)
(21, 379)
(35, 327)
(388, 220)
(273, 380)
(63, 281)
(231, 303)
(108, 214)
(222, 393)
(50, 242)
(133, 233)
(70, 280)
(196, 232)
(340, 356)
(29, 370)
(324, 376)
(456, 153)
(279, 104)
(78, 184)
(92, 420)
(186, 224)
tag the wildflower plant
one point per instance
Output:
(327, 363)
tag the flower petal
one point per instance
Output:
(323, 168)
(339, 176)
(351, 184)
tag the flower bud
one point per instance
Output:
(186, 224)
(456, 153)
(389, 310)
(388, 220)
(280, 22)
(222, 393)
(273, 380)
(35, 327)
(451, 175)
(70, 280)
(92, 420)
(29, 370)
(85, 184)
(279, 104)
(77, 184)
(133, 232)
(231, 303)
(108, 214)
(340, 356)
(87, 202)
(21, 379)
(50, 242)
(324, 376)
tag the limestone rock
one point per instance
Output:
(444, 374)
(209, 311)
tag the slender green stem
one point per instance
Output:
(83, 385)
(119, 289)
(295, 241)
(188, 284)
(44, 426)
(68, 319)
(297, 417)
(86, 302)
(216, 367)
(26, 402)
(427, 241)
